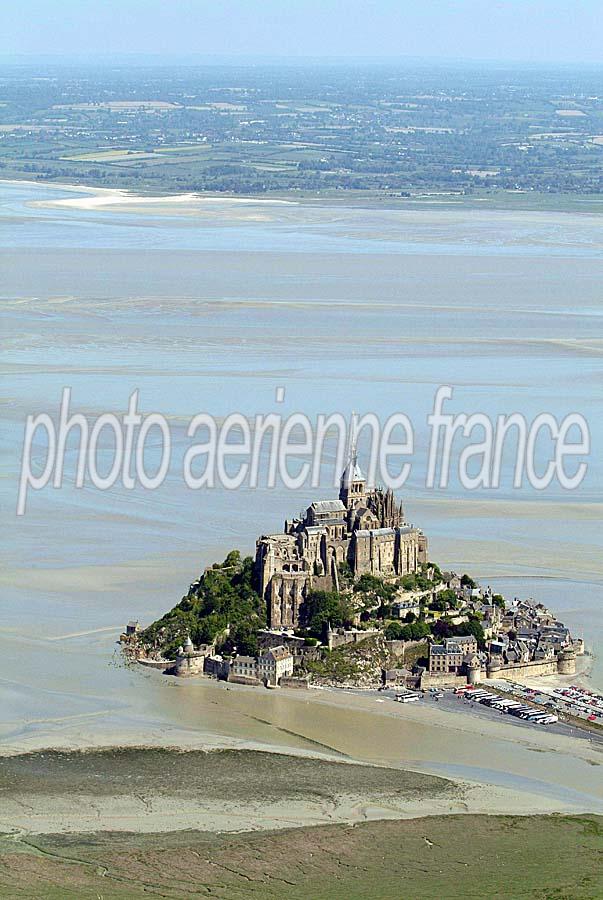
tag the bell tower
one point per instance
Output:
(352, 486)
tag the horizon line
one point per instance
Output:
(286, 61)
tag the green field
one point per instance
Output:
(444, 858)
(385, 133)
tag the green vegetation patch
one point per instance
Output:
(235, 775)
(224, 596)
(436, 858)
(351, 662)
(447, 134)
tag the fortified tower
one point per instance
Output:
(566, 661)
(474, 669)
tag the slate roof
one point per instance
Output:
(277, 653)
(324, 506)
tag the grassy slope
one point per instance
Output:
(441, 857)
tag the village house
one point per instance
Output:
(449, 658)
(243, 667)
(526, 639)
(273, 664)
(452, 581)
(269, 667)
(401, 608)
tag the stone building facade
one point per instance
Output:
(269, 667)
(453, 656)
(275, 664)
(363, 528)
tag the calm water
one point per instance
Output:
(348, 309)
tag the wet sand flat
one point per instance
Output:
(364, 309)
(223, 790)
(156, 790)
(527, 768)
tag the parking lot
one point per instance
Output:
(460, 703)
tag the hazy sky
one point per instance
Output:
(531, 30)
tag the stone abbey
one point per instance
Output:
(363, 528)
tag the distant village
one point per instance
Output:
(350, 599)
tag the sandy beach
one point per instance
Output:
(114, 199)
(149, 813)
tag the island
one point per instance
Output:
(346, 596)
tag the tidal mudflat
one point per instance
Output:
(211, 311)
(148, 790)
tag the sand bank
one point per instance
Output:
(144, 790)
(150, 813)
(114, 198)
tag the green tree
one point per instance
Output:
(378, 595)
(474, 627)
(245, 638)
(224, 595)
(415, 582)
(418, 630)
(449, 597)
(322, 608)
(346, 576)
(412, 632)
(438, 605)
(394, 631)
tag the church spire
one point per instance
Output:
(352, 470)
(352, 484)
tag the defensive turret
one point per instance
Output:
(566, 661)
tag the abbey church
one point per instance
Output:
(363, 528)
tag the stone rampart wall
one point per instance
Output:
(442, 679)
(529, 670)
